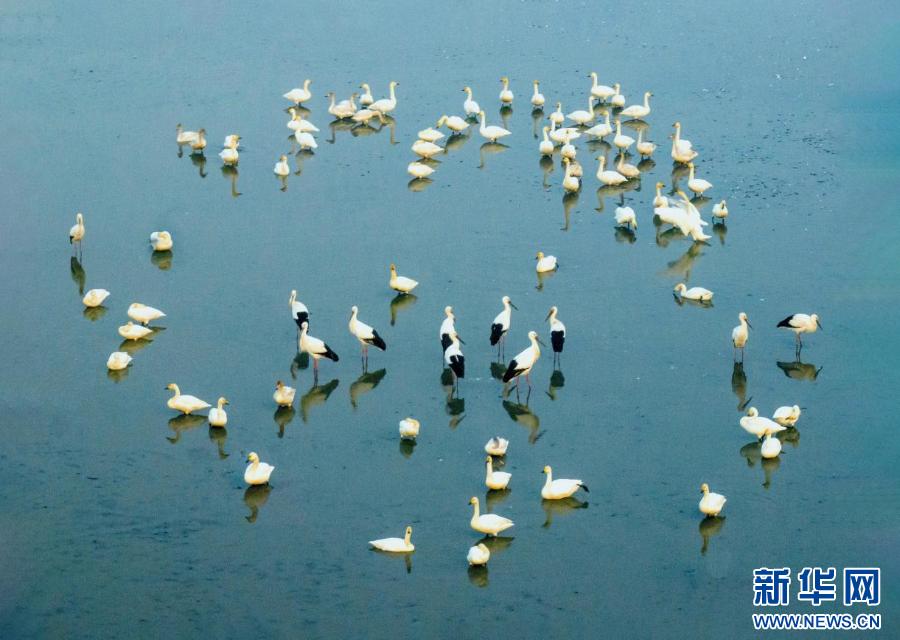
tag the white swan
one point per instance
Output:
(646, 149)
(756, 425)
(198, 144)
(560, 489)
(506, 96)
(711, 503)
(419, 170)
(118, 360)
(401, 283)
(76, 232)
(694, 293)
(395, 545)
(386, 105)
(429, 134)
(454, 123)
(133, 331)
(581, 116)
(217, 416)
(545, 263)
(627, 169)
(617, 100)
(489, 523)
(697, 185)
(284, 395)
(426, 149)
(366, 98)
(186, 404)
(570, 183)
(282, 168)
(638, 111)
(537, 98)
(608, 177)
(233, 139)
(230, 154)
(770, 448)
(787, 416)
(720, 211)
(492, 132)
(297, 95)
(682, 149)
(495, 480)
(625, 217)
(602, 129)
(557, 117)
(621, 140)
(344, 108)
(161, 240)
(184, 137)
(559, 135)
(409, 429)
(478, 555)
(306, 140)
(95, 297)
(599, 90)
(298, 123)
(257, 472)
(144, 314)
(546, 146)
(496, 446)
(470, 107)
(660, 200)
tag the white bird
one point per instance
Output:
(801, 323)
(501, 322)
(395, 545)
(757, 425)
(366, 335)
(95, 297)
(316, 348)
(570, 183)
(692, 223)
(409, 429)
(257, 472)
(217, 416)
(608, 177)
(426, 149)
(491, 132)
(198, 144)
(489, 523)
(184, 137)
(470, 106)
(644, 148)
(537, 98)
(297, 95)
(478, 555)
(627, 169)
(787, 416)
(557, 117)
(284, 395)
(617, 100)
(694, 293)
(770, 448)
(660, 200)
(161, 240)
(118, 360)
(622, 141)
(638, 111)
(282, 168)
(506, 96)
(305, 140)
(386, 105)
(454, 358)
(557, 331)
(448, 327)
(545, 263)
(625, 217)
(496, 446)
(560, 489)
(682, 149)
(343, 109)
(741, 333)
(364, 115)
(133, 331)
(568, 150)
(581, 116)
(697, 185)
(144, 314)
(76, 232)
(401, 283)
(720, 211)
(601, 129)
(546, 146)
(230, 153)
(419, 170)
(711, 503)
(599, 90)
(298, 123)
(366, 98)
(559, 136)
(454, 123)
(524, 361)
(186, 404)
(495, 480)
(232, 139)
(429, 134)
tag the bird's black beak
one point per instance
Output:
(749, 325)
(513, 306)
(819, 324)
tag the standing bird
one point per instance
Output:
(298, 95)
(537, 98)
(720, 212)
(787, 416)
(161, 241)
(198, 144)
(625, 217)
(638, 111)
(76, 233)
(284, 395)
(545, 263)
(491, 132)
(478, 555)
(448, 327)
(599, 90)
(771, 447)
(471, 107)
(257, 472)
(506, 96)
(501, 323)
(801, 323)
(365, 334)
(756, 425)
(299, 312)
(365, 98)
(522, 364)
(144, 314)
(230, 153)
(711, 503)
(741, 333)
(489, 523)
(395, 545)
(315, 348)
(697, 185)
(305, 140)
(694, 293)
(622, 141)
(557, 333)
(409, 429)
(217, 416)
(495, 480)
(560, 489)
(282, 169)
(454, 358)
(401, 283)
(184, 403)
(496, 446)
(386, 105)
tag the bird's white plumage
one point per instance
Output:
(489, 523)
(560, 488)
(185, 403)
(257, 472)
(217, 416)
(638, 111)
(759, 426)
(478, 555)
(95, 297)
(495, 480)
(770, 448)
(299, 95)
(144, 314)
(401, 283)
(496, 446)
(491, 132)
(118, 360)
(409, 428)
(161, 241)
(284, 395)
(395, 545)
(131, 331)
(711, 503)
(694, 293)
(625, 216)
(787, 416)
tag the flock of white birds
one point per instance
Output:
(601, 101)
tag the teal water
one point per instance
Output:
(120, 521)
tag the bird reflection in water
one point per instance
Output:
(199, 161)
(541, 277)
(569, 202)
(739, 386)
(537, 119)
(417, 185)
(547, 167)
(679, 172)
(300, 361)
(162, 260)
(94, 313)
(407, 557)
(625, 235)
(255, 497)
(610, 191)
(752, 453)
(283, 417)
(559, 508)
(230, 172)
(557, 382)
(407, 446)
(455, 406)
(78, 275)
(681, 267)
(490, 149)
(646, 165)
(478, 575)
(184, 422)
(721, 230)
(790, 436)
(364, 384)
(521, 414)
(117, 376)
(505, 112)
(797, 370)
(497, 370)
(219, 435)
(400, 302)
(681, 301)
(493, 499)
(317, 395)
(457, 141)
(496, 545)
(343, 125)
(710, 526)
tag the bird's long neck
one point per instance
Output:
(546, 139)
(490, 466)
(536, 347)
(306, 84)
(392, 93)
(549, 479)
(175, 388)
(407, 537)
(475, 511)
(332, 102)
(691, 176)
(220, 404)
(535, 88)
(293, 293)
(593, 79)
(677, 133)
(602, 165)
(618, 128)
(646, 100)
